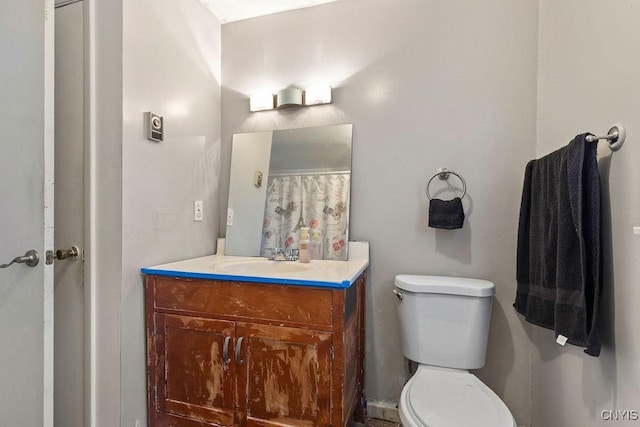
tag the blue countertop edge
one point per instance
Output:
(253, 279)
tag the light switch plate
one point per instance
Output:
(229, 217)
(198, 213)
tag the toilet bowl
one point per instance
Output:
(444, 327)
(440, 397)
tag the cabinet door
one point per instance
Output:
(284, 376)
(195, 383)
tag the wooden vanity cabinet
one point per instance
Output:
(224, 353)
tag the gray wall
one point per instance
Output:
(104, 256)
(589, 78)
(171, 66)
(426, 85)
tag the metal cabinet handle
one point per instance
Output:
(239, 351)
(400, 295)
(31, 258)
(225, 350)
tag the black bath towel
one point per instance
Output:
(559, 255)
(446, 214)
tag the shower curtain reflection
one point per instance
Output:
(317, 201)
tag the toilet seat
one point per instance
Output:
(440, 397)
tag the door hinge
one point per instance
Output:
(155, 394)
(333, 355)
(155, 329)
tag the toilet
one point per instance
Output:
(444, 326)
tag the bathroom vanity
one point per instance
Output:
(240, 341)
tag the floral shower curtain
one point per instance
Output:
(319, 202)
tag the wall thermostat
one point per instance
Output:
(155, 127)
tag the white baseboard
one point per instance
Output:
(383, 411)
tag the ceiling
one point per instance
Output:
(236, 10)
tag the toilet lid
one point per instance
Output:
(450, 398)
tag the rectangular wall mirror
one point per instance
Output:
(287, 179)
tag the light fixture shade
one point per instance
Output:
(290, 97)
(261, 101)
(318, 94)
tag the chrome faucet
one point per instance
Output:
(280, 254)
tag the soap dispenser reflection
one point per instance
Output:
(305, 252)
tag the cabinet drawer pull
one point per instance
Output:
(239, 351)
(225, 350)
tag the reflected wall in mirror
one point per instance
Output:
(284, 180)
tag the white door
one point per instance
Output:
(26, 211)
(69, 217)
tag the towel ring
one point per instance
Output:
(443, 174)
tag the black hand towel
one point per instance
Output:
(446, 214)
(559, 257)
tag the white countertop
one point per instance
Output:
(317, 273)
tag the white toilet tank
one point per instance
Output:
(444, 321)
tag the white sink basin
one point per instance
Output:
(261, 267)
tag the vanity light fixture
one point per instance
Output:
(291, 97)
(318, 94)
(261, 101)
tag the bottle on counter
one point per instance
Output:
(315, 246)
(305, 253)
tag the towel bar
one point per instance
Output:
(615, 137)
(443, 174)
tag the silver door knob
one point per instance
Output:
(31, 258)
(71, 253)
